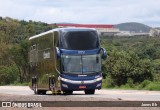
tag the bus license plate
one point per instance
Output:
(82, 87)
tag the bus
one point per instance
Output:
(66, 60)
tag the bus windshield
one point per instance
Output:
(83, 64)
(80, 40)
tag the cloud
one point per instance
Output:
(84, 11)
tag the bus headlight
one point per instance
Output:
(80, 82)
(65, 85)
(98, 79)
(98, 85)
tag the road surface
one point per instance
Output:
(24, 93)
(131, 95)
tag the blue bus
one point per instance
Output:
(66, 60)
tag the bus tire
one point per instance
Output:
(35, 89)
(68, 92)
(41, 92)
(52, 84)
(89, 91)
(34, 85)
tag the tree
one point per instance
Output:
(122, 65)
(8, 75)
(8, 29)
(19, 54)
(14, 45)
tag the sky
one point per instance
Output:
(83, 11)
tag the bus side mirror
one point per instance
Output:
(58, 52)
(104, 75)
(104, 53)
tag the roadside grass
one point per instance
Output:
(19, 84)
(145, 85)
(15, 84)
(107, 84)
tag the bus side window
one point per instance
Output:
(31, 48)
(56, 43)
(34, 47)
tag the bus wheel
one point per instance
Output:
(89, 91)
(35, 88)
(67, 92)
(34, 85)
(42, 92)
(52, 84)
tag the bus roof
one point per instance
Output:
(68, 29)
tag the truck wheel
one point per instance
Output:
(89, 91)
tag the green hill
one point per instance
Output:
(133, 27)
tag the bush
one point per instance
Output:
(126, 86)
(8, 75)
(126, 67)
(130, 82)
(144, 84)
(153, 86)
(108, 83)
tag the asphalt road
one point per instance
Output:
(24, 93)
(104, 94)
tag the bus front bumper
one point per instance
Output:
(67, 84)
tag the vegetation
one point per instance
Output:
(14, 48)
(133, 62)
